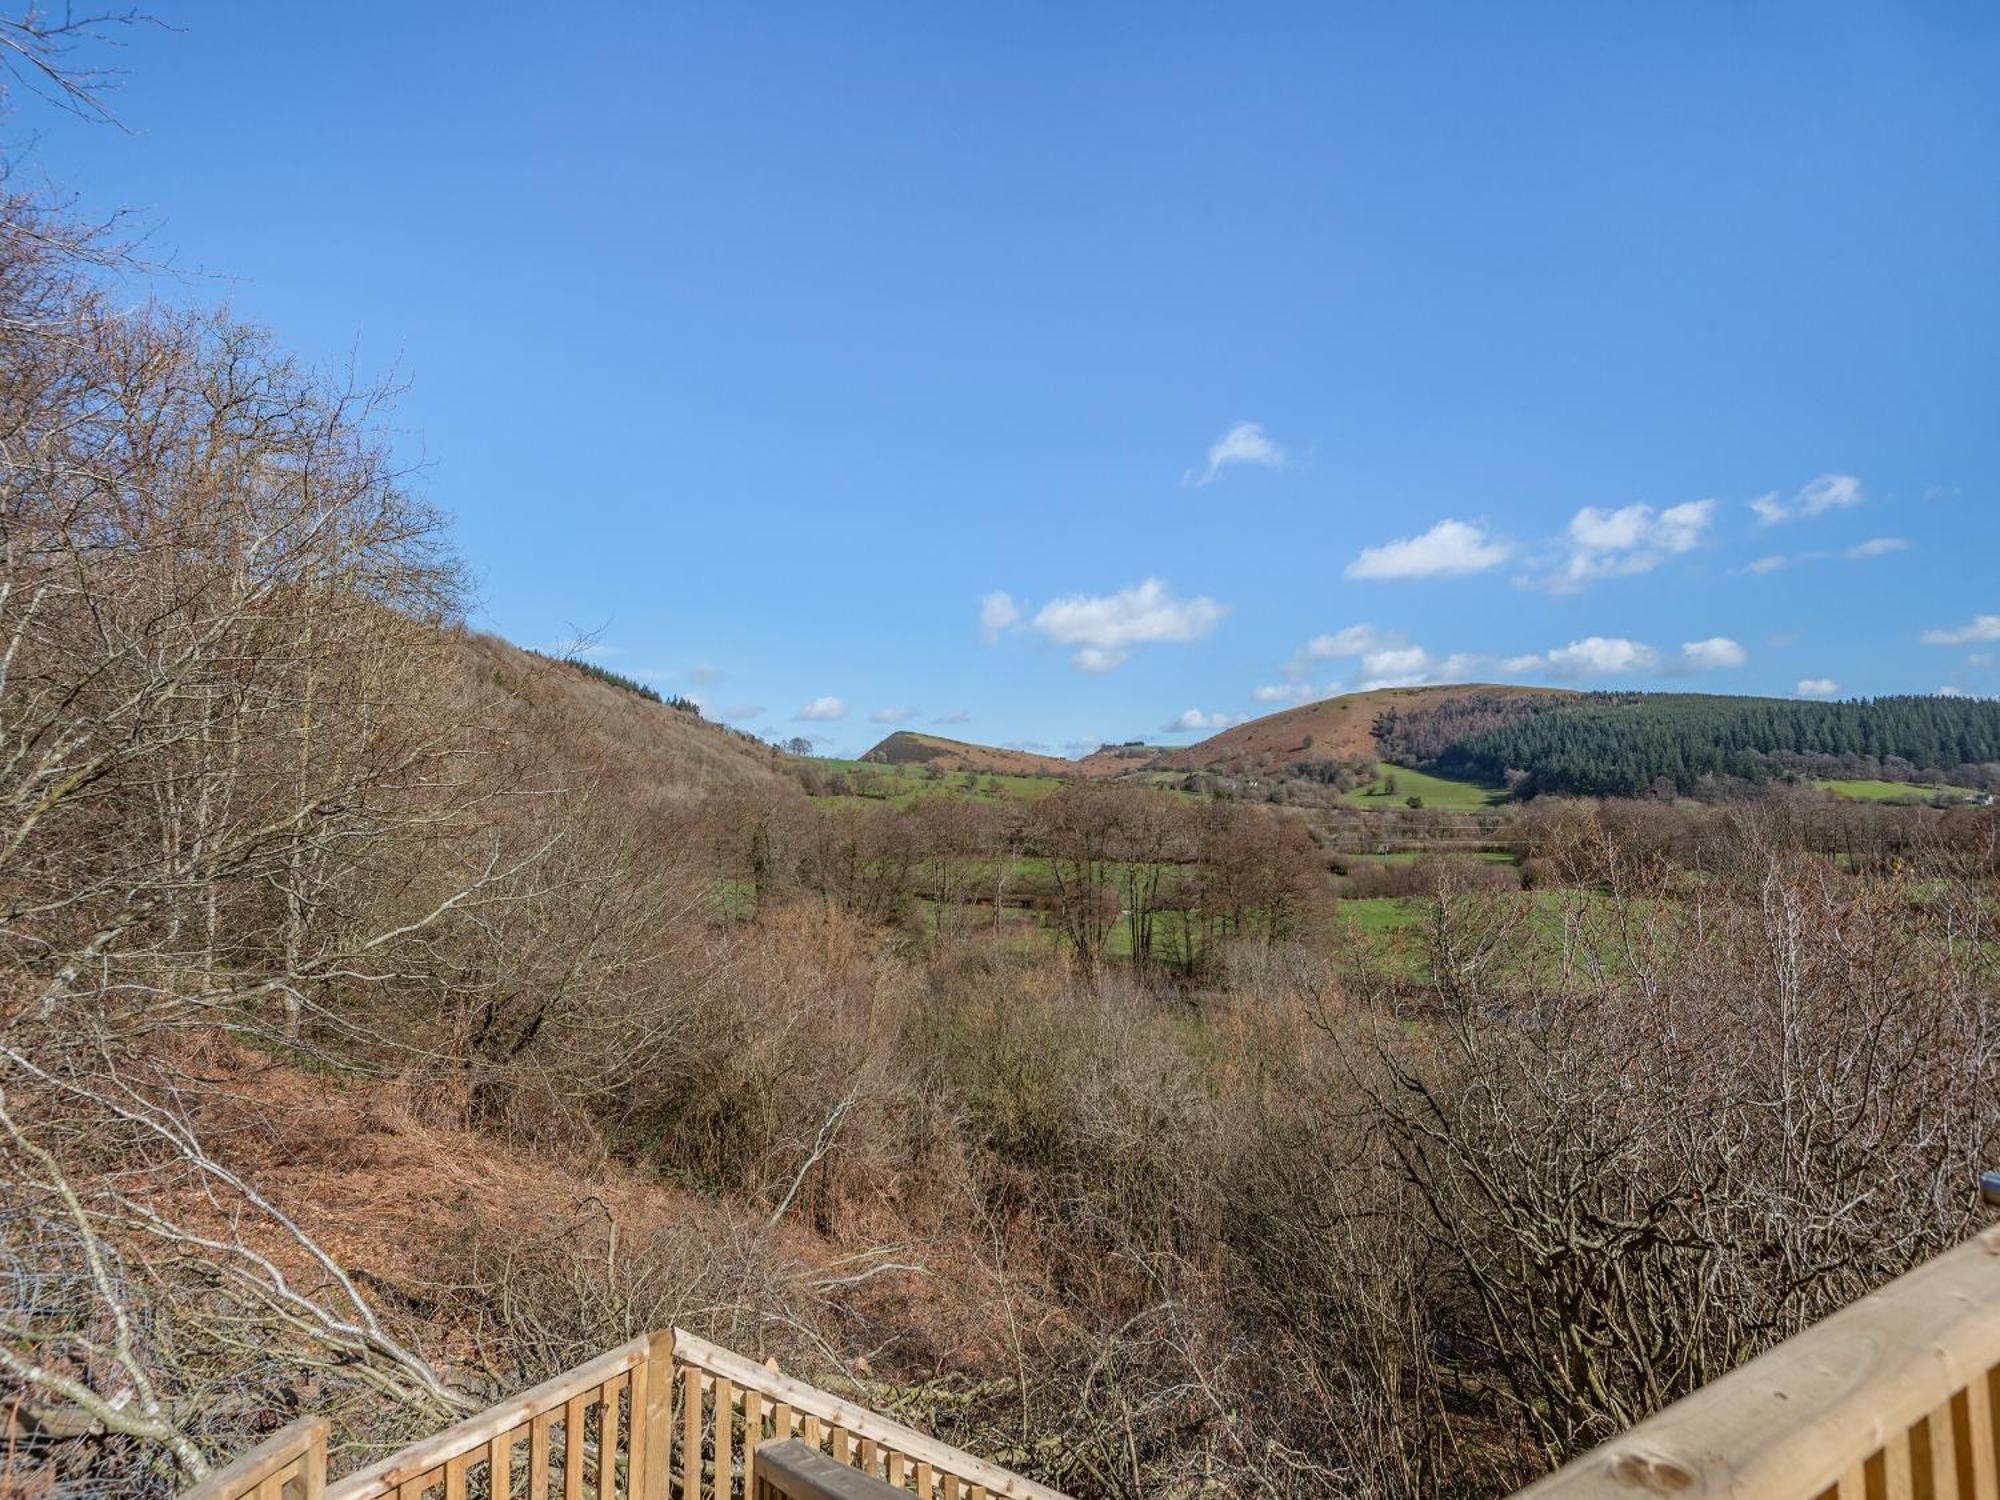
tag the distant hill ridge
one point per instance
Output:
(1541, 739)
(1330, 729)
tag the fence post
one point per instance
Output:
(291, 1463)
(655, 1468)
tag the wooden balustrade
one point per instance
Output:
(666, 1415)
(590, 1431)
(729, 1405)
(1894, 1398)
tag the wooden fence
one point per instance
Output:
(667, 1415)
(1894, 1398)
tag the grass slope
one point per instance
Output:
(1437, 791)
(1883, 791)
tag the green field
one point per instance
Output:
(1883, 791)
(902, 785)
(1437, 791)
(1384, 913)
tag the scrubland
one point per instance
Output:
(376, 1036)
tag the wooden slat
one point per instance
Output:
(924, 1473)
(1979, 1431)
(842, 1451)
(1897, 1483)
(725, 1437)
(454, 1478)
(690, 1433)
(781, 1421)
(573, 1447)
(538, 1456)
(656, 1376)
(1944, 1454)
(871, 1458)
(1792, 1422)
(1853, 1484)
(753, 1434)
(500, 1466)
(607, 1439)
(951, 1487)
(896, 1468)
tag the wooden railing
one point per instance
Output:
(746, 1403)
(1894, 1398)
(288, 1465)
(789, 1470)
(666, 1415)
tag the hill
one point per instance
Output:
(908, 748)
(1628, 744)
(656, 754)
(1107, 761)
(1331, 729)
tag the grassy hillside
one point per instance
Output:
(1332, 729)
(1867, 790)
(908, 748)
(1394, 784)
(668, 755)
(904, 784)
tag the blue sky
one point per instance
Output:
(1055, 372)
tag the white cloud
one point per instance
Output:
(1951, 692)
(1282, 692)
(1245, 443)
(1614, 656)
(953, 716)
(1764, 565)
(1601, 656)
(1631, 539)
(1194, 721)
(1385, 659)
(1717, 652)
(892, 715)
(826, 710)
(997, 611)
(1350, 640)
(1980, 659)
(1877, 546)
(1982, 628)
(1814, 498)
(1104, 628)
(1450, 549)
(1817, 687)
(740, 713)
(1829, 492)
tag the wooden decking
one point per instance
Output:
(1894, 1398)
